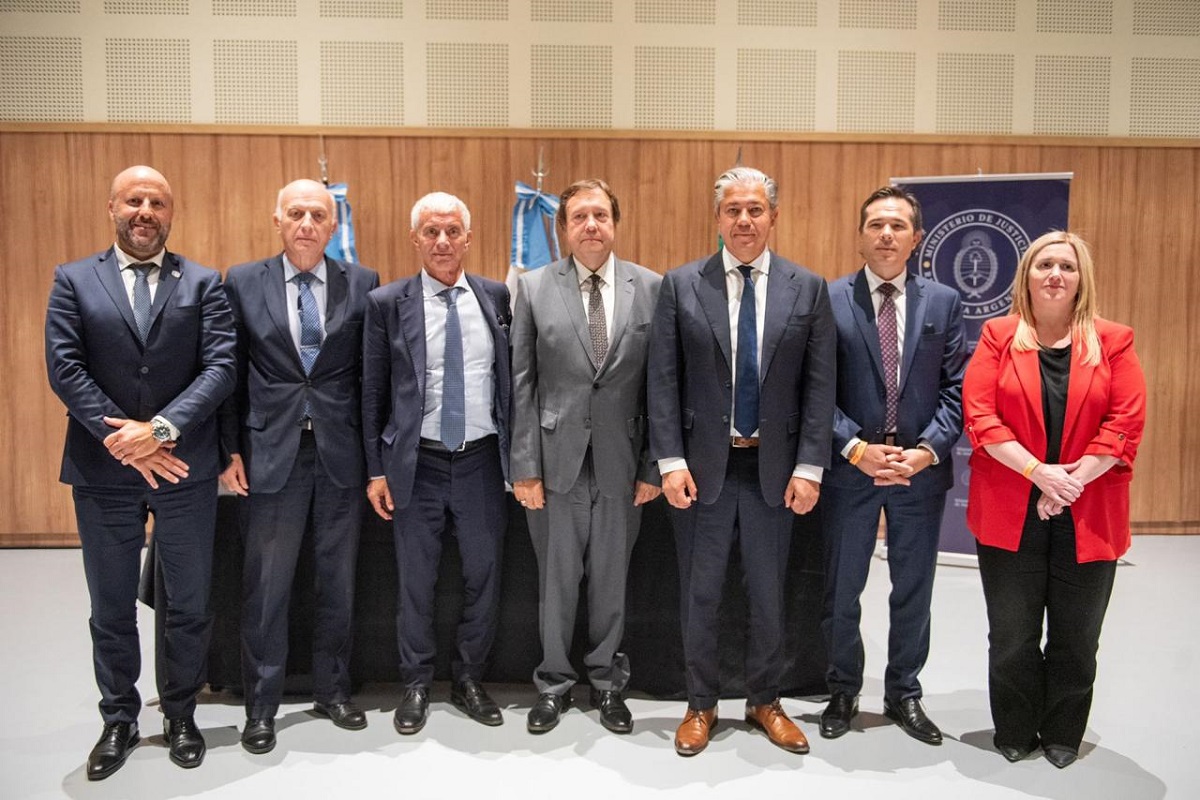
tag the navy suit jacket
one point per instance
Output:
(260, 420)
(394, 377)
(934, 358)
(99, 367)
(690, 379)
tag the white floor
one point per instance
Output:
(1141, 743)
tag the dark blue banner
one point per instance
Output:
(976, 229)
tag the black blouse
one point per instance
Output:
(1055, 363)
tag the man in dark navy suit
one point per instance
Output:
(294, 441)
(139, 347)
(901, 355)
(436, 392)
(740, 389)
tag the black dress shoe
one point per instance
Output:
(344, 715)
(912, 719)
(1060, 755)
(111, 749)
(546, 711)
(471, 697)
(186, 745)
(1014, 754)
(835, 719)
(412, 711)
(614, 714)
(258, 736)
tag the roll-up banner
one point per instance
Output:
(976, 229)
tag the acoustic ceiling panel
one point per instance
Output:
(778, 13)
(41, 78)
(255, 82)
(1075, 16)
(673, 87)
(370, 9)
(362, 83)
(467, 84)
(167, 97)
(776, 90)
(971, 15)
(148, 8)
(675, 12)
(1165, 97)
(39, 6)
(571, 86)
(571, 10)
(862, 104)
(894, 14)
(974, 93)
(467, 9)
(1166, 18)
(1071, 95)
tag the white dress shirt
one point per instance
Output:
(607, 292)
(293, 297)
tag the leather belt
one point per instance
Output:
(306, 424)
(436, 445)
(743, 441)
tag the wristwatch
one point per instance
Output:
(160, 429)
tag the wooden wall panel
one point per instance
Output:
(1136, 204)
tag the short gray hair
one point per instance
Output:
(749, 175)
(440, 203)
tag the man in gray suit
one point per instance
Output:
(580, 336)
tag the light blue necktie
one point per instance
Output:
(454, 402)
(141, 298)
(745, 402)
(310, 329)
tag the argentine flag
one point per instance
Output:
(341, 246)
(534, 237)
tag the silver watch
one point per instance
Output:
(160, 429)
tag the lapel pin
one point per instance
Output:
(174, 273)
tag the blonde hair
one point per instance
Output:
(1083, 318)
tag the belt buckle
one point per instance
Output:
(306, 424)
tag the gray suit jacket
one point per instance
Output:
(561, 403)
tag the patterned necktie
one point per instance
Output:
(141, 298)
(889, 348)
(454, 401)
(745, 403)
(596, 325)
(310, 321)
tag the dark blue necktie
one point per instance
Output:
(310, 329)
(141, 298)
(454, 402)
(745, 403)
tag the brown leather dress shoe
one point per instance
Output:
(692, 735)
(778, 726)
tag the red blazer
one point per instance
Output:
(1106, 411)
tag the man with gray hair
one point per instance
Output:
(436, 390)
(741, 397)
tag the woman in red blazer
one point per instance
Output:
(1054, 403)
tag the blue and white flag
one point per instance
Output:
(341, 246)
(977, 227)
(534, 237)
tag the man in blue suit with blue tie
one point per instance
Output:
(139, 347)
(436, 394)
(294, 441)
(740, 389)
(901, 355)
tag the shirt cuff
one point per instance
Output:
(854, 440)
(174, 431)
(808, 472)
(666, 465)
(924, 445)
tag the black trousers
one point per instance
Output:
(1035, 690)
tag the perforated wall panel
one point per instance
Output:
(1166, 97)
(675, 12)
(895, 14)
(778, 13)
(776, 90)
(362, 83)
(39, 6)
(147, 8)
(254, 81)
(41, 78)
(373, 9)
(674, 87)
(571, 86)
(862, 105)
(128, 62)
(1071, 95)
(467, 84)
(1166, 17)
(571, 11)
(975, 93)
(254, 8)
(972, 15)
(1075, 16)
(466, 9)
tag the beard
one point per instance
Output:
(136, 243)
